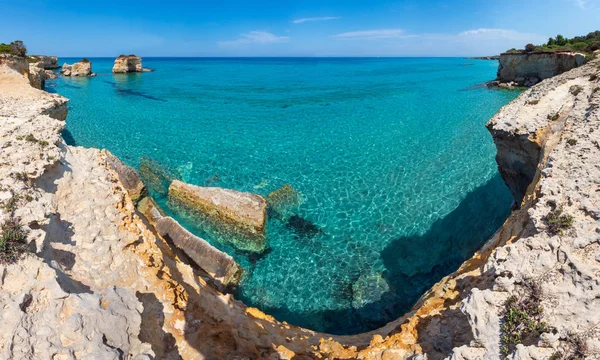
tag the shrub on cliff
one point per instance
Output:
(14, 48)
(85, 60)
(12, 240)
(529, 47)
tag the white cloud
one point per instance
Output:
(324, 18)
(374, 34)
(580, 3)
(256, 37)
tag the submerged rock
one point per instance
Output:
(128, 63)
(284, 200)
(242, 216)
(369, 288)
(216, 263)
(156, 176)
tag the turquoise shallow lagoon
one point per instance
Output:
(391, 157)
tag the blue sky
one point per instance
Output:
(291, 28)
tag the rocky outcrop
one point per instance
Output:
(80, 68)
(48, 62)
(242, 216)
(37, 75)
(128, 64)
(220, 266)
(128, 177)
(527, 69)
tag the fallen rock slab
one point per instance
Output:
(241, 215)
(216, 263)
(128, 177)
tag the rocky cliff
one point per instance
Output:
(48, 62)
(99, 282)
(532, 67)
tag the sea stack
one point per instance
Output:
(80, 68)
(128, 64)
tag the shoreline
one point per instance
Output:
(439, 324)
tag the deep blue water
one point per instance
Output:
(391, 158)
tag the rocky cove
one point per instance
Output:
(142, 297)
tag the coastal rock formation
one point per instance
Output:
(80, 68)
(220, 266)
(37, 75)
(128, 177)
(100, 284)
(241, 215)
(48, 62)
(284, 201)
(526, 69)
(128, 63)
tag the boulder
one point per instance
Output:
(50, 74)
(284, 200)
(239, 215)
(127, 64)
(48, 62)
(216, 263)
(128, 177)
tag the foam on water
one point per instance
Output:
(391, 158)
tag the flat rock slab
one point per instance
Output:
(242, 216)
(216, 263)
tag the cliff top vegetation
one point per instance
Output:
(14, 48)
(585, 44)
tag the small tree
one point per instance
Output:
(529, 47)
(551, 42)
(18, 48)
(560, 40)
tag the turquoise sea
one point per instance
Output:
(395, 168)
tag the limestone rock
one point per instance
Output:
(240, 214)
(127, 64)
(48, 62)
(37, 75)
(80, 68)
(368, 289)
(540, 65)
(216, 263)
(128, 177)
(284, 201)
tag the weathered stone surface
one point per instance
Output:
(80, 68)
(48, 62)
(127, 64)
(150, 209)
(37, 75)
(234, 212)
(128, 177)
(538, 65)
(216, 263)
(368, 289)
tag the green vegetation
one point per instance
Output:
(572, 142)
(557, 222)
(553, 117)
(586, 44)
(522, 320)
(12, 240)
(85, 60)
(14, 48)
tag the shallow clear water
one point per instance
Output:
(391, 157)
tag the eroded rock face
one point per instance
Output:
(128, 177)
(37, 75)
(242, 215)
(48, 62)
(80, 68)
(127, 64)
(518, 68)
